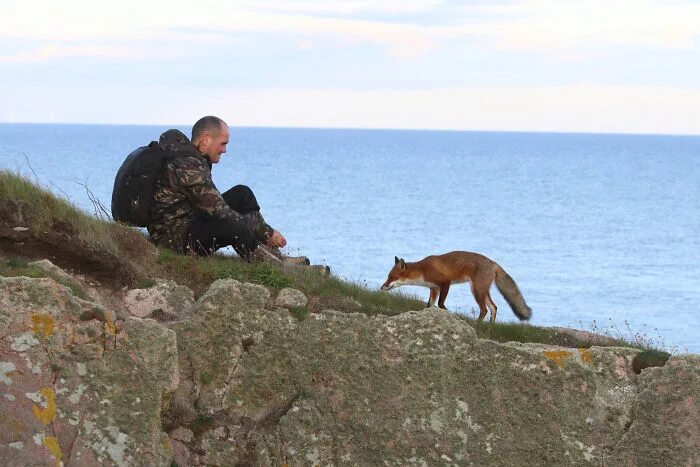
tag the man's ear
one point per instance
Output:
(205, 140)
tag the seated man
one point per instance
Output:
(189, 214)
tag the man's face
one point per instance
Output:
(215, 144)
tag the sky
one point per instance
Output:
(614, 66)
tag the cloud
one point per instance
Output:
(133, 22)
(55, 52)
(547, 26)
(531, 25)
(345, 7)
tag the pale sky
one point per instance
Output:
(630, 66)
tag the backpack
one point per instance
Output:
(135, 184)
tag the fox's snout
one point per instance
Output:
(389, 284)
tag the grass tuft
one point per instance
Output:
(299, 312)
(526, 333)
(205, 378)
(146, 283)
(649, 358)
(24, 204)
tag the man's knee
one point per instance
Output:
(243, 190)
(241, 199)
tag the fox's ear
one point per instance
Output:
(403, 263)
(396, 260)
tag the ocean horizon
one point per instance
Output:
(347, 128)
(599, 230)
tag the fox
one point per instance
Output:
(438, 272)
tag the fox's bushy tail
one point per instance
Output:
(510, 291)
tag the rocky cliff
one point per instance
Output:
(235, 378)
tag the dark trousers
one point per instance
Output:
(208, 234)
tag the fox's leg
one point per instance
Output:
(480, 296)
(444, 288)
(492, 306)
(433, 296)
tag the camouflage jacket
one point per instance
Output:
(186, 189)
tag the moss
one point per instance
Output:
(146, 283)
(649, 358)
(206, 378)
(299, 312)
(202, 423)
(17, 267)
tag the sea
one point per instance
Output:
(600, 231)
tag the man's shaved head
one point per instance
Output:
(208, 124)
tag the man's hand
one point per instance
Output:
(276, 240)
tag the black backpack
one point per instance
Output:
(135, 184)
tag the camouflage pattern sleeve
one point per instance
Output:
(194, 177)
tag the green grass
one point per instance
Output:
(146, 283)
(371, 301)
(649, 358)
(299, 312)
(220, 266)
(523, 332)
(17, 267)
(332, 291)
(20, 267)
(205, 378)
(24, 204)
(202, 423)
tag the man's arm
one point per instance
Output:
(194, 177)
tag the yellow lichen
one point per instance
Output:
(585, 355)
(42, 324)
(46, 414)
(110, 328)
(557, 356)
(51, 444)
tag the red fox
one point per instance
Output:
(440, 271)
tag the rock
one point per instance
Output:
(165, 297)
(665, 428)
(290, 298)
(181, 455)
(79, 392)
(68, 280)
(182, 434)
(219, 451)
(49, 267)
(416, 388)
(236, 380)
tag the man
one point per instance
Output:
(189, 214)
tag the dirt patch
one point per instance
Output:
(70, 256)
